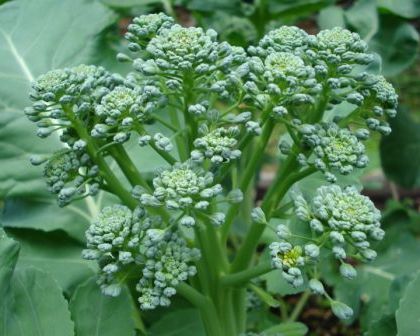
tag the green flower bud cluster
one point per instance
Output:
(297, 68)
(342, 223)
(113, 240)
(380, 101)
(70, 174)
(185, 57)
(62, 95)
(284, 78)
(185, 188)
(347, 220)
(124, 109)
(334, 149)
(283, 39)
(127, 242)
(344, 53)
(218, 145)
(180, 49)
(63, 100)
(292, 259)
(144, 28)
(164, 270)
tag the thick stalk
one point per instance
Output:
(205, 306)
(247, 177)
(239, 301)
(214, 240)
(180, 141)
(227, 311)
(127, 166)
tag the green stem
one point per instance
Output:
(180, 142)
(112, 181)
(229, 313)
(282, 188)
(239, 301)
(299, 306)
(165, 123)
(246, 251)
(240, 278)
(247, 177)
(206, 307)
(167, 6)
(214, 240)
(289, 165)
(127, 166)
(211, 271)
(165, 155)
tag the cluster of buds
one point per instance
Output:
(218, 145)
(334, 149)
(295, 68)
(292, 259)
(345, 219)
(165, 268)
(342, 223)
(144, 28)
(61, 96)
(70, 174)
(113, 240)
(127, 243)
(125, 108)
(187, 189)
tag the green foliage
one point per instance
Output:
(54, 254)
(399, 151)
(407, 315)
(32, 301)
(178, 323)
(109, 316)
(397, 42)
(287, 329)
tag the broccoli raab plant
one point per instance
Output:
(217, 107)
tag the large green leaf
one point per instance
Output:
(35, 306)
(409, 9)
(213, 5)
(385, 326)
(55, 254)
(400, 151)
(36, 214)
(287, 329)
(130, 3)
(37, 36)
(179, 323)
(363, 18)
(330, 17)
(296, 7)
(408, 314)
(9, 251)
(376, 282)
(95, 314)
(397, 43)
